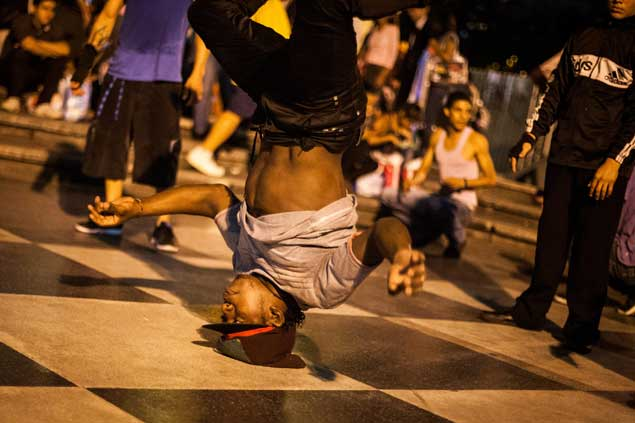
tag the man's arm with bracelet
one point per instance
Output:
(99, 35)
(200, 200)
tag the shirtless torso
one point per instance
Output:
(312, 180)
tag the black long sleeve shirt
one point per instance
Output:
(308, 87)
(592, 97)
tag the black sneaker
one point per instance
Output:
(163, 239)
(90, 227)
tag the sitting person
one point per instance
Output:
(464, 161)
(385, 132)
(380, 53)
(35, 53)
(293, 237)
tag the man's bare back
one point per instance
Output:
(285, 179)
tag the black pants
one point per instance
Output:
(576, 225)
(146, 113)
(24, 71)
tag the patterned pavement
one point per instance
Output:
(102, 330)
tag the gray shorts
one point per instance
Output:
(314, 276)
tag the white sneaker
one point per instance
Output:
(201, 159)
(11, 105)
(46, 111)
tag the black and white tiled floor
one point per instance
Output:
(95, 330)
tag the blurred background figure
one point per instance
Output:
(240, 106)
(140, 102)
(622, 261)
(36, 53)
(465, 164)
(379, 53)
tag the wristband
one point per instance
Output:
(526, 137)
(84, 63)
(140, 204)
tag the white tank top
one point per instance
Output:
(452, 164)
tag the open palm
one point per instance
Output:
(113, 213)
(407, 272)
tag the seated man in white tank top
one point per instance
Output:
(464, 161)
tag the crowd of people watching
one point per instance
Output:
(422, 109)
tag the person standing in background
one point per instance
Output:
(140, 102)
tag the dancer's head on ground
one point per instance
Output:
(44, 11)
(254, 299)
(458, 110)
(621, 9)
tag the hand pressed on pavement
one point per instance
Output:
(407, 272)
(115, 212)
(601, 187)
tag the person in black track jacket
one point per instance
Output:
(591, 96)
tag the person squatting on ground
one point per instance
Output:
(293, 237)
(464, 161)
(141, 100)
(35, 53)
(592, 97)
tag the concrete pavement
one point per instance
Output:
(99, 329)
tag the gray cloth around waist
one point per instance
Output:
(291, 248)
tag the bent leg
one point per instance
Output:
(54, 70)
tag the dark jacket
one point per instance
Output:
(308, 87)
(592, 97)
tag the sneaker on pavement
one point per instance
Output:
(201, 159)
(628, 309)
(45, 110)
(11, 105)
(90, 227)
(163, 239)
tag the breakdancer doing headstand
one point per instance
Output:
(293, 237)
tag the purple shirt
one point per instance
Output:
(151, 41)
(625, 237)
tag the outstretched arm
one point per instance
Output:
(201, 200)
(389, 239)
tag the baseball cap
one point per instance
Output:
(260, 345)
